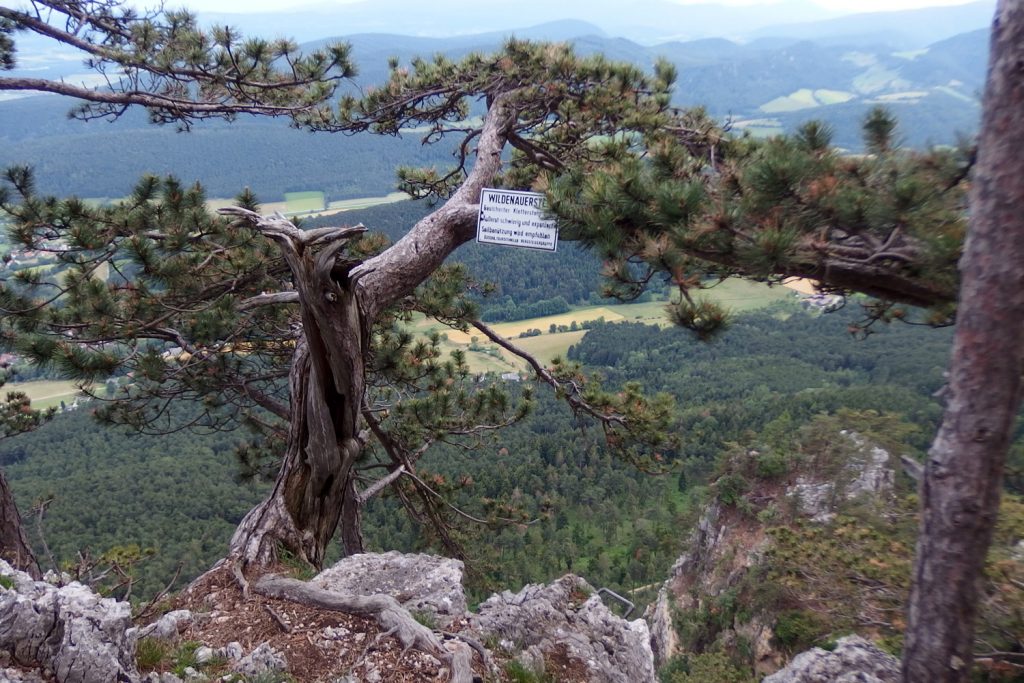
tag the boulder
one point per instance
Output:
(421, 583)
(261, 661)
(854, 660)
(166, 627)
(68, 631)
(566, 620)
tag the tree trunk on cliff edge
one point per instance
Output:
(314, 491)
(314, 494)
(964, 471)
(14, 546)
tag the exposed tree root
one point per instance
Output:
(387, 612)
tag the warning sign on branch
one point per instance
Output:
(516, 219)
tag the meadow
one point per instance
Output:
(737, 296)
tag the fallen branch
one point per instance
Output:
(278, 619)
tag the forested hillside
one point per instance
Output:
(348, 367)
(581, 510)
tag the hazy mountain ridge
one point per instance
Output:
(766, 87)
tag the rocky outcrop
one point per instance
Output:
(854, 660)
(663, 634)
(421, 583)
(68, 632)
(71, 635)
(866, 473)
(261, 661)
(714, 584)
(565, 624)
(166, 628)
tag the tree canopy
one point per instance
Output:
(246, 309)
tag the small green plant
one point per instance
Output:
(796, 630)
(151, 653)
(731, 488)
(517, 673)
(297, 567)
(708, 667)
(184, 657)
(424, 618)
(6, 581)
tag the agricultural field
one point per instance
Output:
(483, 356)
(304, 202)
(735, 295)
(313, 203)
(46, 393)
(760, 128)
(805, 98)
(906, 96)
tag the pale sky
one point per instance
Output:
(847, 6)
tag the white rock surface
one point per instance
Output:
(567, 614)
(854, 660)
(421, 583)
(67, 630)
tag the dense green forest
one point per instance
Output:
(581, 510)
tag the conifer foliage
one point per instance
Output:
(249, 310)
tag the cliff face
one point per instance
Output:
(808, 536)
(727, 590)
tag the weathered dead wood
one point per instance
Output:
(384, 609)
(315, 492)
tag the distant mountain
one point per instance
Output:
(645, 21)
(765, 87)
(905, 29)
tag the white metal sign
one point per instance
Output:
(516, 219)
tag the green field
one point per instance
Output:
(312, 203)
(735, 295)
(905, 96)
(805, 98)
(366, 202)
(46, 393)
(304, 202)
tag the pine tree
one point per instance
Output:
(253, 310)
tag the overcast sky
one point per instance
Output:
(277, 6)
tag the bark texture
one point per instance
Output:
(963, 474)
(14, 547)
(327, 382)
(315, 492)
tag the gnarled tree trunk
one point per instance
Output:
(315, 493)
(14, 546)
(964, 471)
(314, 487)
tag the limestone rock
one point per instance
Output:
(663, 634)
(70, 631)
(867, 474)
(165, 677)
(421, 583)
(565, 616)
(260, 661)
(854, 660)
(11, 675)
(166, 627)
